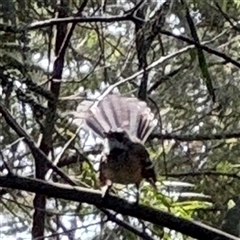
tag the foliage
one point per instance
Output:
(198, 173)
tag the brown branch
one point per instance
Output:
(78, 194)
(62, 40)
(142, 48)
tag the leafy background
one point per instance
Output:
(193, 93)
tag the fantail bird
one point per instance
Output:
(124, 124)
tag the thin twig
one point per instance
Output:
(113, 218)
(37, 153)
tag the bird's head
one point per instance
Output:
(120, 136)
(118, 140)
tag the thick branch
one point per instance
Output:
(39, 201)
(78, 194)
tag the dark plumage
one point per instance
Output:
(124, 124)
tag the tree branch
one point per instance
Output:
(201, 57)
(78, 194)
(145, 35)
(37, 153)
(200, 45)
(51, 22)
(46, 139)
(113, 218)
(195, 137)
(203, 173)
(125, 17)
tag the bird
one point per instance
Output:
(123, 124)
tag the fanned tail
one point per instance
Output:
(118, 113)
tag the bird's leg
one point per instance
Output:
(105, 184)
(137, 193)
(106, 188)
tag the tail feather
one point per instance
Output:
(142, 125)
(149, 130)
(114, 113)
(97, 122)
(134, 116)
(95, 126)
(106, 110)
(145, 123)
(113, 107)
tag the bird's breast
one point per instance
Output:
(120, 169)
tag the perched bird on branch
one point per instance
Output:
(124, 124)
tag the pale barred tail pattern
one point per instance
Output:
(117, 113)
